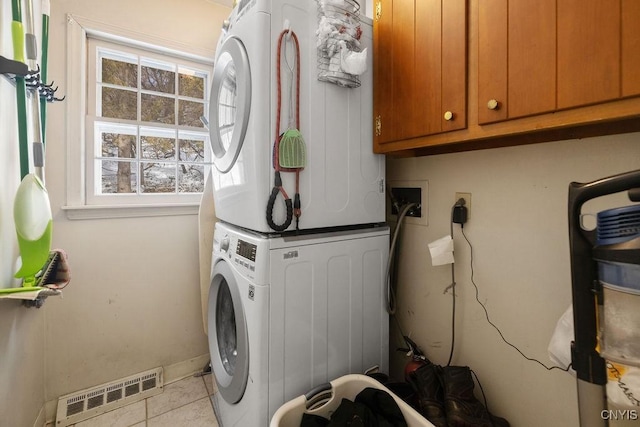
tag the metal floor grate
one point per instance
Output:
(88, 403)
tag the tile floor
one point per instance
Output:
(186, 402)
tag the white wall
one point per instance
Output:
(367, 8)
(518, 228)
(21, 329)
(134, 299)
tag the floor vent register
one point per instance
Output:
(81, 405)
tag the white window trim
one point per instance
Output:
(78, 30)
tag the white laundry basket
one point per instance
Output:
(325, 399)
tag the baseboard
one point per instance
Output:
(50, 408)
(172, 373)
(41, 420)
(180, 370)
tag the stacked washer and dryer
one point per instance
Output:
(291, 309)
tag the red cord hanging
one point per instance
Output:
(295, 208)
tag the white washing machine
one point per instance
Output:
(343, 181)
(289, 313)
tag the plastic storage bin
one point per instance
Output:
(325, 399)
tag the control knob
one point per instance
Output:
(224, 244)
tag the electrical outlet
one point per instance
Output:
(467, 199)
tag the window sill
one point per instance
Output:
(129, 211)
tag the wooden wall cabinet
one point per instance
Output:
(537, 71)
(420, 74)
(516, 58)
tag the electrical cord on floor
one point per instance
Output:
(486, 313)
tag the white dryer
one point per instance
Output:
(289, 313)
(343, 181)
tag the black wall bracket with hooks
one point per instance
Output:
(12, 69)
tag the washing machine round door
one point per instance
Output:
(230, 103)
(228, 339)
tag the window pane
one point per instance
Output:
(151, 140)
(191, 86)
(158, 177)
(119, 73)
(191, 150)
(158, 80)
(118, 145)
(119, 104)
(190, 113)
(157, 148)
(190, 178)
(118, 177)
(227, 103)
(158, 109)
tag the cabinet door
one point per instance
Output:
(532, 57)
(394, 79)
(454, 64)
(492, 61)
(427, 99)
(630, 47)
(403, 77)
(383, 65)
(440, 66)
(588, 51)
(516, 58)
(420, 68)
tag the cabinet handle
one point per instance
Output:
(493, 104)
(448, 116)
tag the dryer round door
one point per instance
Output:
(228, 338)
(230, 103)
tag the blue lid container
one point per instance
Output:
(618, 233)
(618, 225)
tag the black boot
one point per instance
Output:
(426, 383)
(461, 406)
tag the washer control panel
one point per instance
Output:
(246, 250)
(245, 255)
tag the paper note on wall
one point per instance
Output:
(441, 251)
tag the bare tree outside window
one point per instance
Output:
(151, 139)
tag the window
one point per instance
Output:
(146, 141)
(135, 143)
